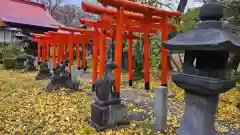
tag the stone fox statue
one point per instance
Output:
(30, 61)
(105, 86)
(60, 68)
(44, 71)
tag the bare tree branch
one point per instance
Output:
(54, 6)
(50, 4)
(180, 59)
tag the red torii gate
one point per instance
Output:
(71, 41)
(150, 15)
(129, 36)
(61, 78)
(106, 20)
(46, 41)
(43, 42)
(58, 39)
(61, 43)
(94, 35)
(77, 40)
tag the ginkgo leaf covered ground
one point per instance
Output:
(26, 109)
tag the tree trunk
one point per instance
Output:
(181, 7)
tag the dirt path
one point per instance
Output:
(146, 102)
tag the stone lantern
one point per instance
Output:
(204, 74)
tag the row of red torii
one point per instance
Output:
(116, 23)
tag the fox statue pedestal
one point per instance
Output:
(44, 72)
(62, 78)
(108, 114)
(25, 62)
(107, 110)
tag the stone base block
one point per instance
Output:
(104, 117)
(42, 76)
(58, 82)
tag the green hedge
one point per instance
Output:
(8, 55)
(9, 63)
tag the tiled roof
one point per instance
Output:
(26, 12)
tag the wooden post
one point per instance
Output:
(66, 50)
(54, 56)
(130, 60)
(102, 53)
(61, 52)
(84, 56)
(146, 60)
(164, 53)
(39, 42)
(78, 56)
(47, 49)
(43, 51)
(118, 49)
(95, 58)
(70, 52)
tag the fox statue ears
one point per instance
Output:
(111, 66)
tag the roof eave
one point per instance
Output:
(33, 25)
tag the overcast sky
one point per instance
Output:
(75, 2)
(191, 3)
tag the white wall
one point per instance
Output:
(7, 36)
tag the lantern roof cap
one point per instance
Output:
(204, 39)
(211, 11)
